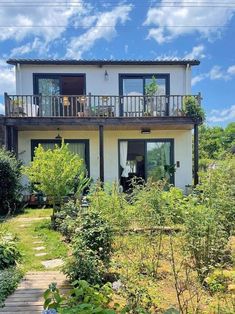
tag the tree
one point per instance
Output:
(56, 172)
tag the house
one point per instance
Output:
(104, 110)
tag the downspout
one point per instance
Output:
(187, 89)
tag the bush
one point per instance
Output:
(154, 206)
(91, 248)
(95, 233)
(220, 280)
(65, 219)
(9, 279)
(111, 204)
(83, 298)
(206, 240)
(9, 182)
(9, 252)
(84, 264)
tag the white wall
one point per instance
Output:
(182, 141)
(95, 82)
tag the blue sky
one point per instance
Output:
(140, 29)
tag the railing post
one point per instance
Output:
(121, 105)
(6, 101)
(196, 154)
(40, 105)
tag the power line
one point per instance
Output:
(109, 26)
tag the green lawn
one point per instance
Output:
(29, 231)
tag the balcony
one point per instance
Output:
(97, 106)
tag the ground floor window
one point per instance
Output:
(144, 159)
(80, 147)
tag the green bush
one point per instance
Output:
(9, 252)
(220, 280)
(84, 264)
(95, 233)
(83, 299)
(9, 182)
(65, 219)
(9, 279)
(111, 204)
(156, 206)
(206, 240)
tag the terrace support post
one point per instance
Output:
(196, 154)
(101, 149)
(11, 140)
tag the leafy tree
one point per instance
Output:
(56, 172)
(214, 142)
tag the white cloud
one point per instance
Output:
(224, 115)
(231, 70)
(168, 22)
(216, 73)
(39, 15)
(7, 78)
(104, 28)
(196, 53)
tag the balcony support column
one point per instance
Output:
(101, 151)
(196, 155)
(11, 139)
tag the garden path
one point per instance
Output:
(28, 297)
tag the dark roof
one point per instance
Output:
(104, 62)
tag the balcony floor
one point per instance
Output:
(120, 123)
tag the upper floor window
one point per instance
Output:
(59, 84)
(135, 84)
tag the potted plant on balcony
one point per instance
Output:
(150, 91)
(192, 109)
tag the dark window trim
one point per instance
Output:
(35, 142)
(152, 140)
(143, 76)
(37, 76)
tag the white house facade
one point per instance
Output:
(106, 113)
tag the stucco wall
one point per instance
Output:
(95, 81)
(182, 153)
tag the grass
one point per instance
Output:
(29, 231)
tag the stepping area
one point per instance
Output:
(28, 298)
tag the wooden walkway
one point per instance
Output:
(28, 297)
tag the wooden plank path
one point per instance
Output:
(28, 297)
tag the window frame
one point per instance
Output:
(150, 140)
(36, 142)
(37, 76)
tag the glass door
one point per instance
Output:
(48, 87)
(159, 160)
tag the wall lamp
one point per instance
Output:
(58, 137)
(106, 75)
(145, 131)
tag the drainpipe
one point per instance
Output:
(187, 88)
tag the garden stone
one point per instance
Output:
(40, 254)
(39, 248)
(53, 263)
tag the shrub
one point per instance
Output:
(65, 219)
(154, 206)
(9, 279)
(111, 204)
(83, 298)
(9, 181)
(220, 280)
(95, 233)
(206, 240)
(217, 191)
(84, 264)
(9, 252)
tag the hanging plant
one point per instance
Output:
(192, 109)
